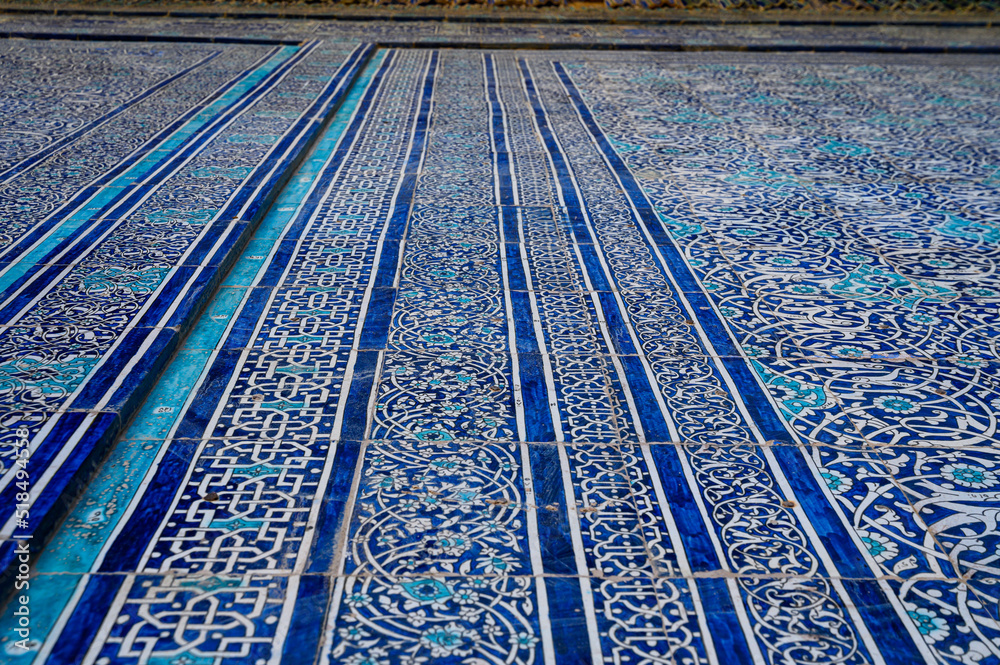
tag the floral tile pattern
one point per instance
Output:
(523, 356)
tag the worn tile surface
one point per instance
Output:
(537, 356)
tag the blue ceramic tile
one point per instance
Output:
(503, 356)
(99, 302)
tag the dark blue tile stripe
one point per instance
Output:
(87, 618)
(47, 510)
(63, 427)
(308, 619)
(720, 617)
(889, 634)
(537, 415)
(335, 507)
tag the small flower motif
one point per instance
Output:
(825, 234)
(896, 404)
(969, 476)
(456, 464)
(905, 235)
(729, 312)
(804, 289)
(930, 625)
(465, 597)
(470, 613)
(394, 480)
(851, 352)
(494, 562)
(858, 258)
(410, 504)
(969, 361)
(451, 543)
(747, 233)
(881, 548)
(353, 633)
(438, 339)
(412, 660)
(358, 600)
(363, 659)
(836, 481)
(451, 640)
(496, 527)
(752, 351)
(385, 540)
(981, 292)
(923, 319)
(524, 640)
(782, 261)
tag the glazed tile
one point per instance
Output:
(504, 355)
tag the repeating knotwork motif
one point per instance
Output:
(197, 612)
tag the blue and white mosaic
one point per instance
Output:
(122, 200)
(537, 357)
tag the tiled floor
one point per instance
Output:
(528, 356)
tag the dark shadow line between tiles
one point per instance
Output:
(831, 20)
(53, 519)
(181, 39)
(697, 48)
(528, 46)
